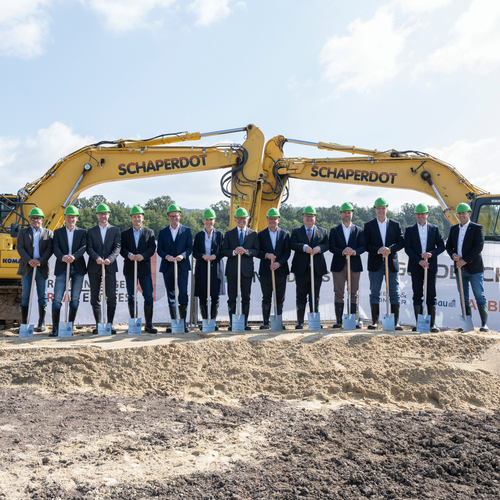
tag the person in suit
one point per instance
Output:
(423, 244)
(464, 245)
(243, 241)
(275, 251)
(103, 247)
(138, 245)
(175, 244)
(70, 245)
(34, 245)
(384, 239)
(346, 239)
(207, 252)
(305, 241)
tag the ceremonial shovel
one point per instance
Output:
(349, 319)
(209, 323)
(178, 323)
(467, 325)
(238, 323)
(103, 328)
(423, 320)
(313, 318)
(27, 329)
(66, 329)
(276, 321)
(135, 323)
(387, 319)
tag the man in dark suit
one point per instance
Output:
(138, 244)
(423, 241)
(34, 245)
(103, 247)
(274, 254)
(175, 244)
(465, 244)
(384, 239)
(70, 244)
(243, 241)
(346, 239)
(305, 241)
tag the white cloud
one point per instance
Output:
(126, 15)
(420, 6)
(209, 11)
(474, 42)
(23, 27)
(368, 56)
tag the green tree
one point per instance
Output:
(221, 210)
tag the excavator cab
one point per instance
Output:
(486, 211)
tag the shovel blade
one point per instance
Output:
(467, 325)
(208, 325)
(388, 322)
(238, 323)
(313, 321)
(65, 329)
(134, 326)
(423, 323)
(26, 331)
(276, 323)
(103, 328)
(349, 322)
(178, 326)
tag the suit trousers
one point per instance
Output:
(182, 284)
(417, 285)
(339, 284)
(232, 291)
(41, 288)
(376, 278)
(266, 285)
(76, 284)
(95, 289)
(146, 282)
(303, 289)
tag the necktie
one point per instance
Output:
(242, 237)
(309, 234)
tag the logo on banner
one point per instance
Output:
(446, 303)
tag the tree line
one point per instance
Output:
(155, 215)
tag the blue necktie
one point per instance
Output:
(242, 237)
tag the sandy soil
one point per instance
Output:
(291, 415)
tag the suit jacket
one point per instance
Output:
(78, 249)
(301, 260)
(216, 266)
(183, 245)
(413, 247)
(110, 249)
(146, 247)
(338, 244)
(282, 252)
(393, 240)
(471, 248)
(250, 243)
(24, 247)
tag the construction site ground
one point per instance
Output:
(262, 415)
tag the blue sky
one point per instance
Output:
(403, 74)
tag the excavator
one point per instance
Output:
(257, 179)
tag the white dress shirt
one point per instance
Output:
(461, 235)
(36, 243)
(174, 232)
(70, 235)
(103, 232)
(208, 242)
(382, 226)
(422, 232)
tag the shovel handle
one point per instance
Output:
(313, 299)
(67, 294)
(387, 291)
(274, 288)
(103, 292)
(31, 295)
(348, 284)
(462, 299)
(176, 290)
(135, 289)
(209, 298)
(424, 308)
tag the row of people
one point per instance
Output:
(381, 237)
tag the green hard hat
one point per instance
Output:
(421, 208)
(136, 210)
(346, 206)
(102, 208)
(309, 210)
(209, 214)
(174, 208)
(463, 207)
(381, 202)
(241, 212)
(71, 210)
(273, 212)
(36, 212)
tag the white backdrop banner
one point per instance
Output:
(448, 300)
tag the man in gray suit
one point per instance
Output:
(103, 247)
(34, 245)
